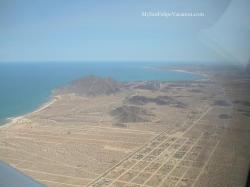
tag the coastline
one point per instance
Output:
(53, 98)
(190, 72)
(206, 76)
(13, 120)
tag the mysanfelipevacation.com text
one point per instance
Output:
(171, 14)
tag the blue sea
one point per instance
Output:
(25, 86)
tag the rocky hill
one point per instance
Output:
(160, 100)
(92, 86)
(130, 114)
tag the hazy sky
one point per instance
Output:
(115, 30)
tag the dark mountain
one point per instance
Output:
(160, 100)
(130, 114)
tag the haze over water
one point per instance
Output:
(25, 86)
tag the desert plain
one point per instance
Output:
(99, 132)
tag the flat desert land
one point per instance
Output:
(149, 134)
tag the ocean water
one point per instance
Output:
(25, 86)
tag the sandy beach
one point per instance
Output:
(14, 120)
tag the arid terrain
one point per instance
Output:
(99, 132)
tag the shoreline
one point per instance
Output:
(178, 70)
(190, 72)
(13, 120)
(53, 98)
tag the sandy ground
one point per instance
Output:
(74, 141)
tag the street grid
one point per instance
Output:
(170, 159)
